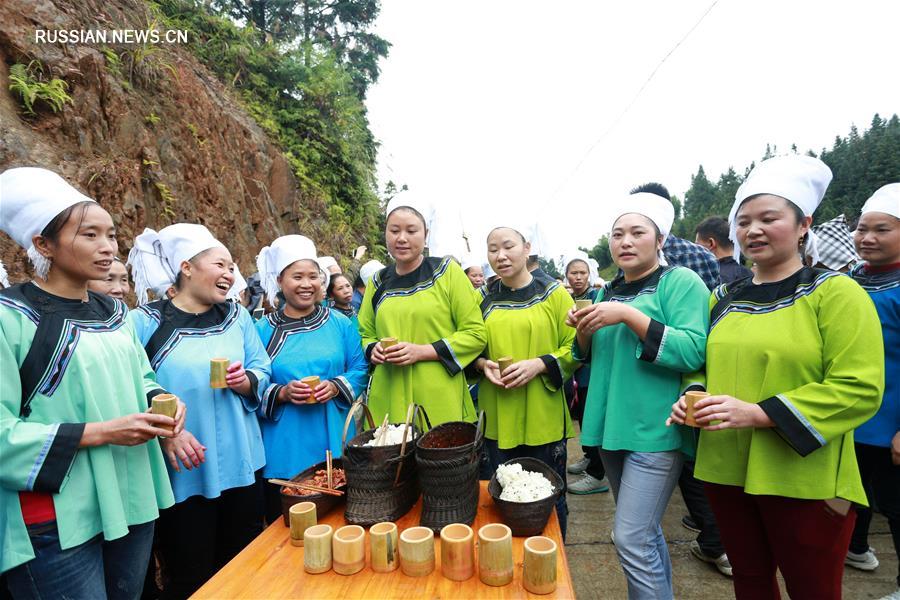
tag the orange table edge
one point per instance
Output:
(271, 567)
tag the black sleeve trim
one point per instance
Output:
(368, 352)
(790, 426)
(445, 355)
(270, 400)
(553, 371)
(153, 394)
(254, 383)
(652, 344)
(694, 387)
(59, 458)
(344, 389)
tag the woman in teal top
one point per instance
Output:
(82, 477)
(646, 330)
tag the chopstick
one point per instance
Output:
(384, 429)
(328, 464)
(304, 486)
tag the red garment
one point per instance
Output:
(804, 539)
(881, 268)
(37, 507)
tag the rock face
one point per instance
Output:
(158, 140)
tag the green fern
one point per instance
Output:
(28, 82)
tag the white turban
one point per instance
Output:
(30, 198)
(326, 262)
(801, 180)
(656, 208)
(156, 258)
(239, 285)
(368, 270)
(4, 281)
(283, 252)
(488, 271)
(885, 200)
(420, 205)
(468, 262)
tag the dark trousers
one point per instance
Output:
(805, 539)
(576, 409)
(272, 502)
(199, 535)
(553, 454)
(881, 480)
(698, 506)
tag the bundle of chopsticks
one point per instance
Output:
(306, 486)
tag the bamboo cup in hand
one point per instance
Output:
(165, 404)
(495, 561)
(579, 304)
(383, 546)
(302, 517)
(348, 550)
(312, 381)
(388, 342)
(539, 569)
(417, 551)
(690, 398)
(457, 552)
(218, 370)
(504, 363)
(317, 549)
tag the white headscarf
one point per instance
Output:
(239, 285)
(283, 252)
(801, 180)
(368, 270)
(654, 207)
(31, 197)
(468, 262)
(156, 258)
(885, 200)
(420, 205)
(326, 262)
(4, 280)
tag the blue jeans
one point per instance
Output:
(642, 483)
(94, 570)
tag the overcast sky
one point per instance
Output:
(490, 106)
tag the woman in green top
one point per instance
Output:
(645, 331)
(525, 406)
(795, 363)
(427, 304)
(82, 477)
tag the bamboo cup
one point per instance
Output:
(302, 517)
(690, 398)
(218, 369)
(579, 304)
(495, 561)
(417, 551)
(383, 546)
(504, 363)
(165, 404)
(312, 381)
(348, 549)
(388, 342)
(457, 552)
(539, 569)
(317, 549)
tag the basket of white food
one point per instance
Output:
(525, 490)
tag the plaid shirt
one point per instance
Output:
(693, 256)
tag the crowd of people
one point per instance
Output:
(795, 441)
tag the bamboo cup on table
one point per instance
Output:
(383, 547)
(539, 568)
(388, 342)
(218, 370)
(348, 550)
(312, 381)
(690, 398)
(504, 363)
(165, 404)
(457, 552)
(417, 551)
(495, 561)
(317, 549)
(579, 304)
(302, 517)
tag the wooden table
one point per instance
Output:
(270, 567)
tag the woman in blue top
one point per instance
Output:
(303, 339)
(218, 506)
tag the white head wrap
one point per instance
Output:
(801, 180)
(326, 262)
(468, 262)
(239, 285)
(368, 270)
(283, 252)
(156, 258)
(420, 205)
(654, 207)
(4, 281)
(885, 200)
(31, 197)
(594, 268)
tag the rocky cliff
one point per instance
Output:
(149, 132)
